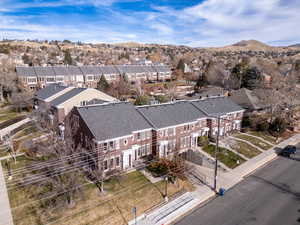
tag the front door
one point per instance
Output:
(129, 160)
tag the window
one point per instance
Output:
(138, 136)
(148, 147)
(143, 136)
(50, 79)
(118, 161)
(59, 79)
(111, 145)
(90, 78)
(125, 141)
(31, 80)
(148, 134)
(171, 131)
(105, 146)
(105, 165)
(111, 164)
(83, 103)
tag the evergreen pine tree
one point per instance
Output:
(102, 84)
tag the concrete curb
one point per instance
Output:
(238, 175)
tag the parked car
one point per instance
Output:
(288, 150)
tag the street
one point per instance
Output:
(270, 196)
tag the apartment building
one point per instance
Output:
(118, 132)
(88, 76)
(122, 133)
(58, 100)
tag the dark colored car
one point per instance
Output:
(288, 150)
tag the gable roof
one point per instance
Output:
(247, 99)
(74, 70)
(66, 96)
(89, 70)
(217, 106)
(109, 70)
(161, 68)
(44, 71)
(49, 91)
(60, 70)
(107, 121)
(25, 71)
(170, 114)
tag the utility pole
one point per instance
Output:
(166, 189)
(216, 155)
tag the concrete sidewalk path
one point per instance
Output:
(5, 211)
(170, 212)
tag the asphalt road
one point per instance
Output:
(271, 196)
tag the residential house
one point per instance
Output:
(58, 100)
(88, 76)
(122, 133)
(27, 76)
(118, 132)
(176, 126)
(248, 100)
(230, 114)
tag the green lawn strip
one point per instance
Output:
(255, 141)
(245, 149)
(263, 135)
(26, 131)
(225, 156)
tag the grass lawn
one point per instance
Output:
(257, 142)
(123, 193)
(8, 116)
(26, 131)
(264, 135)
(245, 149)
(225, 156)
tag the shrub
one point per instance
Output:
(142, 100)
(278, 126)
(203, 141)
(262, 126)
(157, 169)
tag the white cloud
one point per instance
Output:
(161, 28)
(210, 23)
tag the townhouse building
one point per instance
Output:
(230, 114)
(58, 100)
(122, 133)
(117, 132)
(88, 76)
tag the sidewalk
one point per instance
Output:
(8, 129)
(5, 212)
(176, 208)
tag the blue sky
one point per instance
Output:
(185, 22)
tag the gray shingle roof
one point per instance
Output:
(131, 69)
(44, 71)
(60, 70)
(49, 90)
(217, 106)
(90, 70)
(109, 70)
(247, 99)
(113, 120)
(166, 115)
(25, 71)
(66, 96)
(74, 70)
(161, 69)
